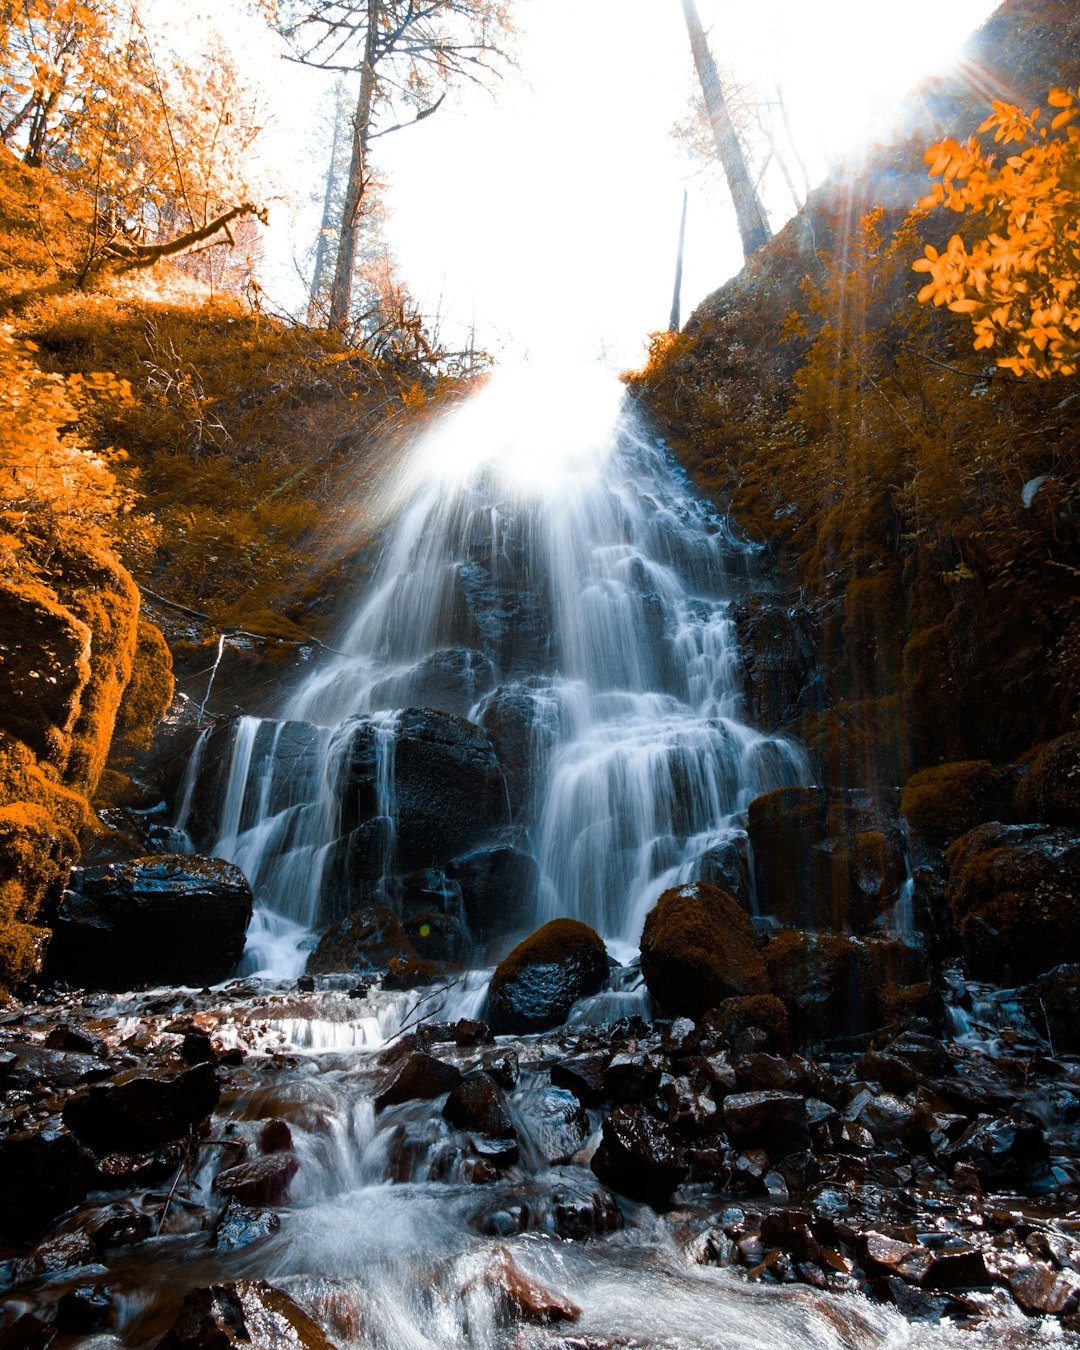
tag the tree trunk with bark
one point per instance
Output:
(749, 212)
(351, 214)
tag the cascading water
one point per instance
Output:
(548, 564)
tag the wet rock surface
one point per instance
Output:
(936, 1174)
(168, 919)
(534, 987)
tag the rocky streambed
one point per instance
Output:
(352, 1166)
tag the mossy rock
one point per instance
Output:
(735, 1017)
(36, 854)
(698, 949)
(1014, 895)
(1050, 791)
(149, 691)
(535, 986)
(944, 802)
(366, 941)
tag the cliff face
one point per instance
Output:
(923, 508)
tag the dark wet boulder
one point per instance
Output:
(1052, 1003)
(416, 1076)
(773, 1121)
(826, 859)
(85, 1309)
(637, 1159)
(582, 1209)
(522, 1298)
(1041, 1291)
(778, 644)
(535, 986)
(837, 987)
(451, 679)
(365, 941)
(556, 1122)
(247, 1313)
(1050, 791)
(583, 1075)
(1008, 1153)
(448, 791)
(758, 1019)
(498, 888)
(141, 1109)
(263, 1181)
(947, 800)
(43, 1172)
(727, 865)
(476, 1102)
(631, 1077)
(1013, 892)
(698, 948)
(169, 919)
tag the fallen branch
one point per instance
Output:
(131, 255)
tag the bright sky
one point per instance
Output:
(550, 213)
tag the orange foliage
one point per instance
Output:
(1019, 284)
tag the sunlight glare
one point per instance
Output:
(539, 428)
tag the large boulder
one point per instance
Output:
(943, 802)
(522, 720)
(1013, 893)
(698, 948)
(43, 1172)
(171, 919)
(1050, 791)
(535, 986)
(447, 792)
(142, 1109)
(636, 1158)
(837, 987)
(826, 859)
(365, 941)
(498, 887)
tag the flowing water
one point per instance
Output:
(547, 557)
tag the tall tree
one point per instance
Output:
(407, 53)
(749, 212)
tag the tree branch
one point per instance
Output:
(131, 255)
(400, 126)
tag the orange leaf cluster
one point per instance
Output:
(1019, 284)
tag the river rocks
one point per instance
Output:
(535, 986)
(1012, 892)
(636, 1158)
(138, 1110)
(241, 1226)
(476, 1102)
(416, 1076)
(698, 948)
(775, 1121)
(1006, 1154)
(522, 1297)
(43, 1172)
(1050, 791)
(451, 679)
(172, 919)
(263, 1181)
(247, 1313)
(825, 859)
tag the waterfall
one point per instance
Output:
(550, 576)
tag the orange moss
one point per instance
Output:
(551, 944)
(943, 802)
(149, 691)
(35, 855)
(735, 1016)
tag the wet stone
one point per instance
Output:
(247, 1313)
(275, 1137)
(503, 1067)
(1040, 1290)
(42, 1173)
(636, 1159)
(84, 1309)
(140, 1110)
(117, 1225)
(631, 1077)
(583, 1210)
(264, 1181)
(774, 1121)
(583, 1075)
(477, 1103)
(556, 1122)
(241, 1225)
(417, 1076)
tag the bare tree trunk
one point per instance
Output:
(322, 248)
(351, 215)
(676, 298)
(753, 225)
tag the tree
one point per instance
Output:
(749, 212)
(407, 53)
(1018, 284)
(159, 148)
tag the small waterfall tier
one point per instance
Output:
(537, 711)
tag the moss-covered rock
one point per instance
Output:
(824, 859)
(1050, 791)
(735, 1017)
(1014, 895)
(535, 986)
(367, 941)
(839, 988)
(944, 802)
(149, 691)
(698, 949)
